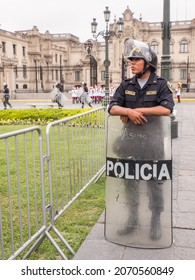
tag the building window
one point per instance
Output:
(16, 71)
(23, 51)
(77, 76)
(3, 47)
(14, 49)
(57, 75)
(24, 72)
(56, 58)
(183, 74)
(184, 46)
(154, 46)
(25, 86)
(102, 75)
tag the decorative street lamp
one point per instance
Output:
(88, 45)
(106, 35)
(166, 36)
(188, 76)
(36, 72)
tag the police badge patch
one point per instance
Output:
(130, 92)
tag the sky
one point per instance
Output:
(75, 16)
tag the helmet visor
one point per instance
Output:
(137, 49)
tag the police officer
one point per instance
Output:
(6, 97)
(135, 100)
(85, 98)
(58, 95)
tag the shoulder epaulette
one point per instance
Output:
(160, 78)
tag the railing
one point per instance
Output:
(75, 157)
(22, 190)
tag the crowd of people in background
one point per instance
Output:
(80, 94)
(96, 93)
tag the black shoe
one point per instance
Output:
(155, 231)
(130, 227)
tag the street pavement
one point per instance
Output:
(96, 247)
(43, 103)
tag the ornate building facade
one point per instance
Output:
(33, 62)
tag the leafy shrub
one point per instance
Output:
(35, 116)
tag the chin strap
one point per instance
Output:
(146, 69)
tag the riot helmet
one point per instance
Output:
(137, 49)
(58, 85)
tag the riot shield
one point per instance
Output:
(139, 182)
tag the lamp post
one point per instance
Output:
(88, 45)
(188, 76)
(166, 35)
(106, 35)
(36, 81)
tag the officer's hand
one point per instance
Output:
(136, 117)
(124, 119)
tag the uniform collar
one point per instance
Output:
(151, 80)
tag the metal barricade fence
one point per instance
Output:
(1, 236)
(22, 191)
(75, 157)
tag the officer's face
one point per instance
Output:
(137, 65)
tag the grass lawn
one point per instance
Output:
(76, 222)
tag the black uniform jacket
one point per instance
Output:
(156, 91)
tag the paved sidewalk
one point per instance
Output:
(95, 247)
(42, 103)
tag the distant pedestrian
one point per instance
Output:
(85, 98)
(6, 97)
(58, 96)
(178, 92)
